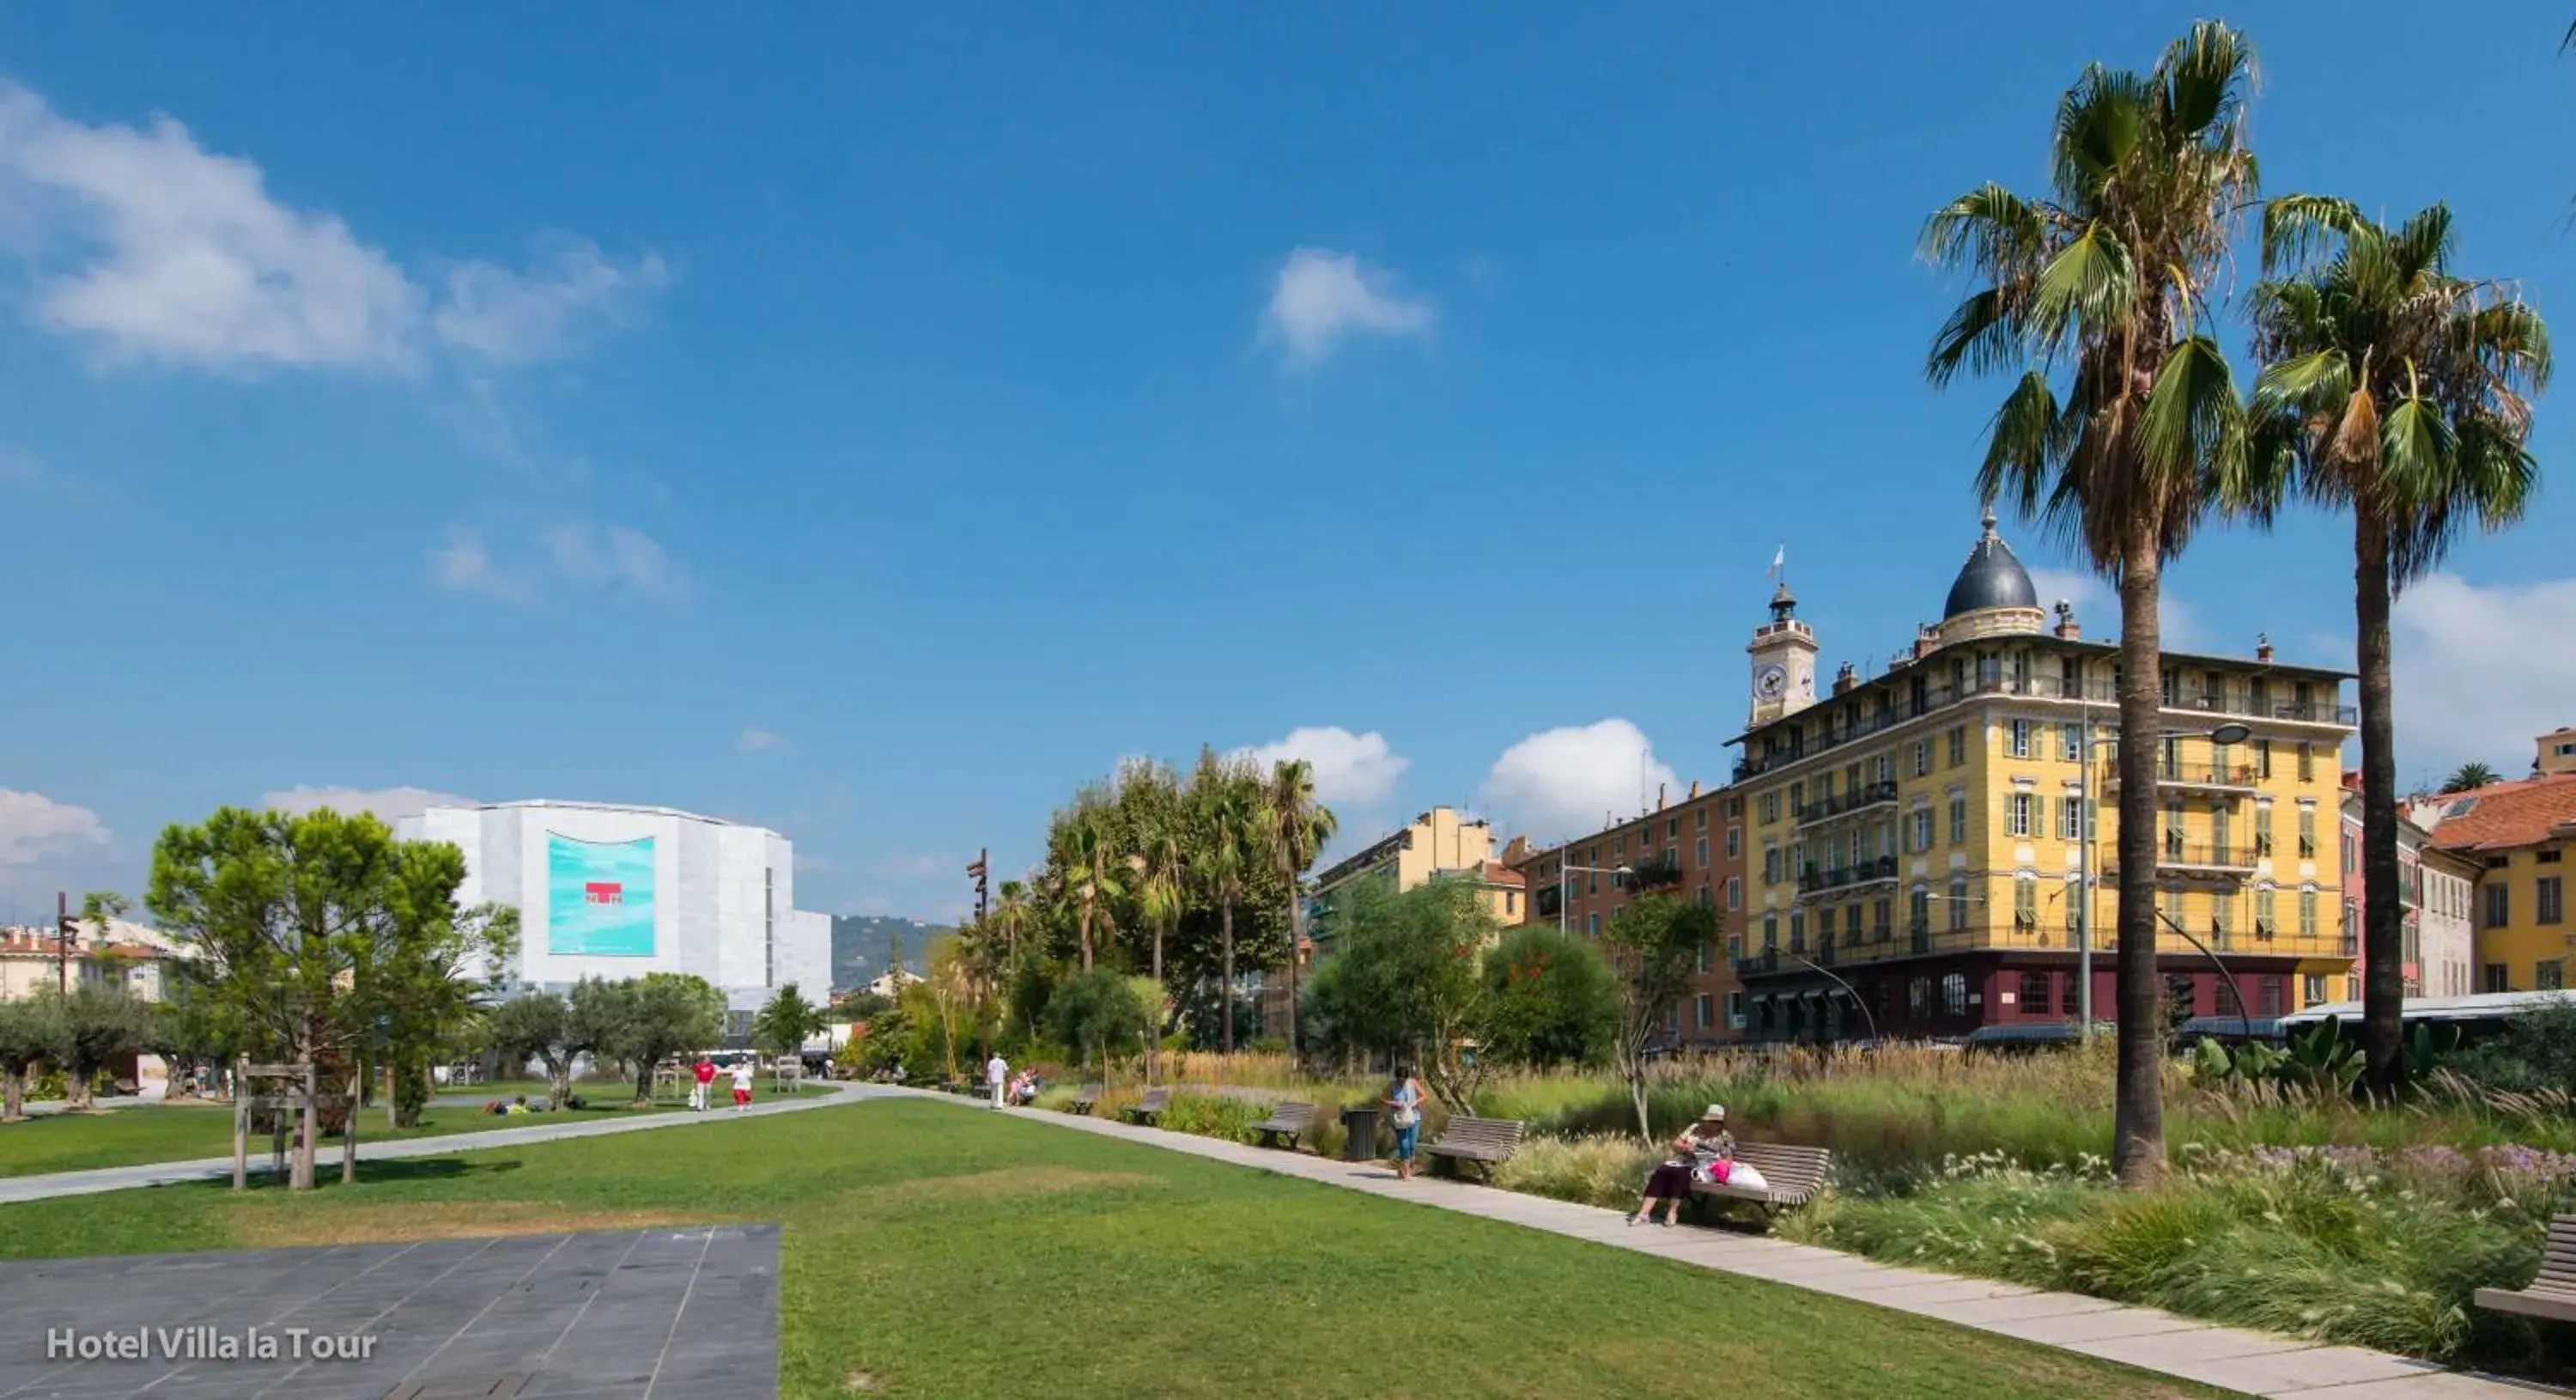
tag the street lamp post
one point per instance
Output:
(1565, 887)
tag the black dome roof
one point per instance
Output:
(1992, 578)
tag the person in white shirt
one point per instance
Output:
(742, 1085)
(997, 1076)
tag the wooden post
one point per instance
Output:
(308, 1124)
(241, 1126)
(349, 1136)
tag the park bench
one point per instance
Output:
(1288, 1121)
(2552, 1294)
(1149, 1109)
(1483, 1141)
(1796, 1175)
(1086, 1098)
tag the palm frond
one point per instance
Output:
(1980, 335)
(2305, 384)
(2099, 123)
(2207, 76)
(2423, 243)
(2297, 226)
(1989, 228)
(2021, 447)
(2192, 413)
(2088, 286)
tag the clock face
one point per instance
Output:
(1770, 681)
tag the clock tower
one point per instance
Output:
(1784, 662)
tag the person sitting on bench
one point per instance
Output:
(1670, 1184)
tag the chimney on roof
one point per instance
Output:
(1845, 679)
(1694, 789)
(2263, 647)
(2066, 628)
(1659, 797)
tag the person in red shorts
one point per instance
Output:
(742, 1085)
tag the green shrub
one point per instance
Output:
(1598, 1170)
(1215, 1115)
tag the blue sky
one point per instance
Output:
(873, 421)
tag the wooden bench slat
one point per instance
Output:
(2551, 1294)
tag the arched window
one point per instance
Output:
(1954, 995)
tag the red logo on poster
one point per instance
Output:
(603, 892)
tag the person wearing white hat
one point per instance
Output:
(1671, 1183)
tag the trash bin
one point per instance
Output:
(1361, 1124)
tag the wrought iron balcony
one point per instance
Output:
(2195, 777)
(1859, 873)
(1656, 871)
(1861, 798)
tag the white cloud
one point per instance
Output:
(517, 317)
(154, 249)
(1560, 782)
(759, 741)
(1357, 769)
(615, 556)
(2479, 671)
(463, 565)
(1322, 297)
(389, 804)
(35, 828)
(2097, 609)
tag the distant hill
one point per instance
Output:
(860, 944)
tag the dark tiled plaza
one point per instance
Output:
(672, 1314)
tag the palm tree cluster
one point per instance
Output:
(1191, 878)
(2389, 387)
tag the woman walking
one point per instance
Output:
(1403, 1103)
(1671, 1183)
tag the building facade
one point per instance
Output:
(1441, 844)
(613, 891)
(2439, 957)
(1926, 844)
(2444, 933)
(1693, 849)
(2517, 835)
(33, 960)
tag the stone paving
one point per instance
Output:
(2229, 1358)
(665, 1314)
(327, 1157)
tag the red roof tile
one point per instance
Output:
(2503, 815)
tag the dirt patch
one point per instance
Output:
(264, 1226)
(1015, 1184)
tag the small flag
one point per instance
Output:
(1779, 560)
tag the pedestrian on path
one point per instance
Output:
(997, 1076)
(706, 1077)
(742, 1085)
(1403, 1102)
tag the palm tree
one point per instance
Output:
(1230, 833)
(1011, 916)
(2470, 776)
(2401, 392)
(1161, 894)
(2123, 424)
(1093, 875)
(1298, 828)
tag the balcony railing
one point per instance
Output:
(1859, 873)
(1835, 731)
(1865, 796)
(2193, 775)
(1657, 871)
(2190, 857)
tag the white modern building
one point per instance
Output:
(614, 891)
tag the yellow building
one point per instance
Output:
(1918, 838)
(2518, 834)
(1441, 844)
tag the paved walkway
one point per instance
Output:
(2250, 1362)
(327, 1159)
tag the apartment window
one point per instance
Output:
(2270, 992)
(1734, 843)
(1918, 996)
(1878, 919)
(1734, 946)
(1958, 905)
(2547, 857)
(1734, 892)
(2025, 905)
(2263, 758)
(2499, 905)
(1824, 927)
(1958, 744)
(1770, 932)
(1704, 897)
(1922, 828)
(1619, 848)
(2228, 1005)
(1701, 851)
(2307, 833)
(2034, 993)
(2307, 913)
(1769, 807)
(1592, 882)
(1734, 1009)
(1954, 995)
(2070, 819)
(1922, 757)
(1797, 931)
(2312, 989)
(1734, 808)
(2070, 743)
(1958, 818)
(2549, 975)
(2173, 686)
(1592, 924)
(1707, 956)
(1699, 819)
(2348, 844)
(1512, 902)
(1918, 911)
(2496, 979)
(1703, 1011)
(2307, 763)
(2017, 738)
(2070, 996)
(2017, 815)
(2549, 899)
(2262, 828)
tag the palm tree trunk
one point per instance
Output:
(1296, 923)
(1225, 989)
(2383, 987)
(2138, 1131)
(1086, 933)
(13, 1095)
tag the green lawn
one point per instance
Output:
(933, 1251)
(125, 1137)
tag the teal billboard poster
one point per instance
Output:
(599, 898)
